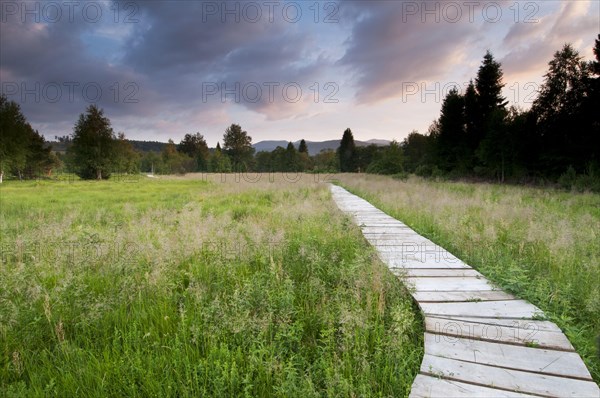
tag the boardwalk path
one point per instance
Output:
(479, 340)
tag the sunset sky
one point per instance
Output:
(380, 68)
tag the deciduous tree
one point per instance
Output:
(237, 144)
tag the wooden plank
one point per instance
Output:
(522, 323)
(557, 363)
(464, 284)
(380, 216)
(405, 241)
(411, 263)
(491, 309)
(513, 380)
(394, 239)
(426, 386)
(517, 334)
(382, 230)
(400, 233)
(455, 296)
(436, 272)
(414, 246)
(395, 260)
(438, 255)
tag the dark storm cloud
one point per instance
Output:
(170, 52)
(186, 49)
(50, 71)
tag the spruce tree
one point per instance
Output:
(302, 148)
(347, 153)
(93, 149)
(450, 140)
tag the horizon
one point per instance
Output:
(280, 70)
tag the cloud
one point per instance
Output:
(49, 70)
(171, 55)
(189, 51)
(531, 46)
(388, 49)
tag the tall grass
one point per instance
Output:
(182, 287)
(541, 244)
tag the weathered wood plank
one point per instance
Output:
(414, 246)
(522, 323)
(492, 309)
(514, 380)
(456, 296)
(426, 386)
(437, 257)
(436, 272)
(557, 363)
(411, 263)
(464, 284)
(398, 239)
(406, 243)
(381, 230)
(517, 333)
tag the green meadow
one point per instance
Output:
(217, 286)
(188, 287)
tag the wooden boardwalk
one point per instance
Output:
(479, 340)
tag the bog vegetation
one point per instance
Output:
(540, 244)
(185, 288)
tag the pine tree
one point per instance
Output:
(489, 86)
(93, 148)
(13, 137)
(347, 153)
(472, 115)
(291, 158)
(451, 137)
(563, 132)
(302, 148)
(305, 160)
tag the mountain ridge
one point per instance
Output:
(314, 147)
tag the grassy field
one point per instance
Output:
(182, 287)
(542, 245)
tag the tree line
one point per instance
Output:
(476, 135)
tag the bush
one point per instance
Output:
(429, 171)
(568, 178)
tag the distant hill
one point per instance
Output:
(314, 147)
(147, 146)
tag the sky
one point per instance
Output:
(283, 70)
